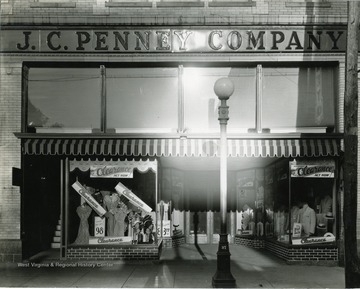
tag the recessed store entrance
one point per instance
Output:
(196, 189)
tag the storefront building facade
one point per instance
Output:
(110, 126)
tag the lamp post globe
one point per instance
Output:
(224, 88)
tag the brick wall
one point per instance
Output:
(120, 252)
(173, 242)
(10, 251)
(10, 154)
(314, 255)
(201, 12)
(250, 242)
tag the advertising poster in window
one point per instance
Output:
(308, 169)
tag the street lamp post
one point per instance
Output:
(223, 88)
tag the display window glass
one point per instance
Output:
(198, 223)
(251, 206)
(111, 209)
(217, 223)
(313, 206)
(63, 99)
(291, 202)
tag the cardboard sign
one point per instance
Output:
(246, 232)
(89, 199)
(110, 240)
(111, 171)
(325, 169)
(134, 199)
(163, 229)
(99, 227)
(297, 230)
(328, 237)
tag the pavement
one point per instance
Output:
(187, 266)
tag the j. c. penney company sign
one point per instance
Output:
(233, 39)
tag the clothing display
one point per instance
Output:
(110, 205)
(83, 236)
(326, 205)
(119, 220)
(295, 215)
(307, 219)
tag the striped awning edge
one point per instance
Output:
(183, 147)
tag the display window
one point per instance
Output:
(291, 201)
(112, 202)
(250, 202)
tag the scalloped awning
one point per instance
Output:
(182, 147)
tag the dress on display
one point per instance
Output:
(83, 233)
(111, 203)
(119, 220)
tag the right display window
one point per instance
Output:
(312, 197)
(300, 203)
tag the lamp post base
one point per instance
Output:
(223, 277)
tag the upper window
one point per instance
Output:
(64, 98)
(298, 98)
(177, 99)
(201, 103)
(142, 99)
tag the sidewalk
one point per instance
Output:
(183, 267)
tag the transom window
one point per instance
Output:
(180, 99)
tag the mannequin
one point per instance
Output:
(246, 217)
(111, 203)
(83, 236)
(326, 205)
(119, 219)
(307, 218)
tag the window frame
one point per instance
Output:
(180, 129)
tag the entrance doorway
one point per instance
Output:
(40, 205)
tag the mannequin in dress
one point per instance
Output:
(111, 202)
(83, 236)
(119, 219)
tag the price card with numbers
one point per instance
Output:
(99, 227)
(163, 229)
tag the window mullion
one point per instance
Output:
(259, 80)
(180, 99)
(103, 98)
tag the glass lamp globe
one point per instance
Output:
(224, 88)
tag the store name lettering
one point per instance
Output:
(169, 40)
(305, 171)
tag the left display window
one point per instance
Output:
(112, 202)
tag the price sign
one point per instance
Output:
(164, 229)
(99, 227)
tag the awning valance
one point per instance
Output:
(183, 147)
(141, 165)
